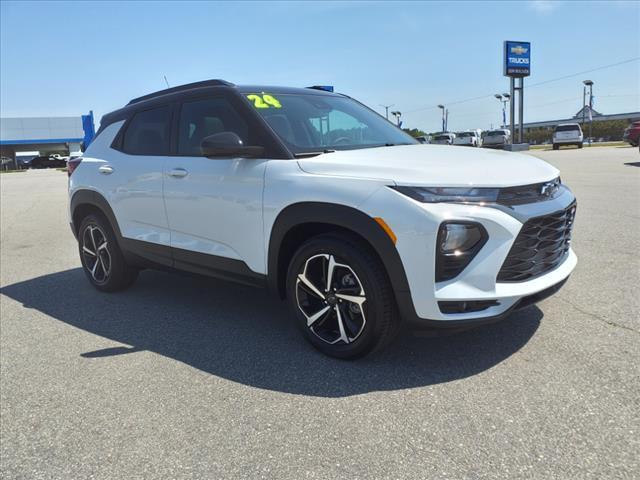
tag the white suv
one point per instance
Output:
(496, 138)
(567, 134)
(323, 201)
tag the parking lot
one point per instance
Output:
(185, 377)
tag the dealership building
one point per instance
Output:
(582, 116)
(46, 135)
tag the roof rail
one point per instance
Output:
(326, 88)
(188, 86)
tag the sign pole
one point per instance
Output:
(512, 109)
(521, 108)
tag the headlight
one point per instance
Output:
(450, 194)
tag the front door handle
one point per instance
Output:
(178, 172)
(106, 169)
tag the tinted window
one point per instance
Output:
(312, 123)
(567, 128)
(201, 118)
(148, 132)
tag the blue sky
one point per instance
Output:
(65, 58)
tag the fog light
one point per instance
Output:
(458, 243)
(456, 238)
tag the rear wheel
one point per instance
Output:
(579, 145)
(341, 297)
(102, 260)
(555, 146)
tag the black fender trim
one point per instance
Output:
(347, 218)
(91, 197)
(137, 253)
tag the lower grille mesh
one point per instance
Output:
(541, 245)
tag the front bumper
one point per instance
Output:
(416, 231)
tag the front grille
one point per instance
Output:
(536, 192)
(541, 245)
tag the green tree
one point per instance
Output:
(414, 132)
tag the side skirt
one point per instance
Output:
(150, 255)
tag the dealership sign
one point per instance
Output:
(517, 59)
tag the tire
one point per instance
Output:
(579, 145)
(101, 257)
(350, 327)
(555, 146)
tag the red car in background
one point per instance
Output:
(632, 134)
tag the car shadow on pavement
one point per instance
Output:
(245, 335)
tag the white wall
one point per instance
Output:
(42, 128)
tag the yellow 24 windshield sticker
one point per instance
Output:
(264, 101)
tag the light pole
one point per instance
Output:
(588, 83)
(386, 109)
(444, 122)
(397, 114)
(503, 99)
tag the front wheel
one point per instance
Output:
(102, 260)
(341, 297)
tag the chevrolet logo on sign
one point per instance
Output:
(519, 50)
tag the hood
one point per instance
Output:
(433, 165)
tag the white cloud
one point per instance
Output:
(543, 7)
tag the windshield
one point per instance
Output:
(315, 123)
(442, 137)
(465, 134)
(496, 133)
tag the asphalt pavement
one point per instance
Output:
(182, 377)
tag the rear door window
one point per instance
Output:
(148, 132)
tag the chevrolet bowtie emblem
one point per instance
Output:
(519, 50)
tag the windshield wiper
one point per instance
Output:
(311, 154)
(389, 145)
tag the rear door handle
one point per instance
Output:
(106, 169)
(178, 172)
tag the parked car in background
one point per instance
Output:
(443, 139)
(470, 139)
(422, 139)
(24, 161)
(632, 134)
(567, 134)
(6, 163)
(48, 161)
(496, 138)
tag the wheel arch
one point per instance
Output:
(84, 202)
(298, 222)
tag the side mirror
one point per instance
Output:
(228, 144)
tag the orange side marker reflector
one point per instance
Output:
(387, 229)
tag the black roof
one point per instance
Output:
(223, 83)
(213, 84)
(182, 88)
